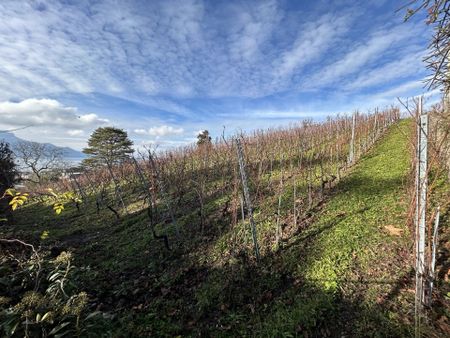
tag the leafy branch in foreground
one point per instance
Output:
(52, 307)
(18, 199)
(38, 297)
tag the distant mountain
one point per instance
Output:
(69, 154)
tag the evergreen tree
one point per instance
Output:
(203, 138)
(8, 177)
(107, 145)
(8, 172)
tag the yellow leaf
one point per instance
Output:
(10, 192)
(44, 235)
(50, 190)
(45, 316)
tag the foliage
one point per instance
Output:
(107, 145)
(203, 138)
(8, 171)
(17, 198)
(53, 308)
(31, 305)
(63, 198)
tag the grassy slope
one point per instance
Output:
(344, 274)
(338, 274)
(347, 263)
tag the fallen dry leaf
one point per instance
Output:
(393, 230)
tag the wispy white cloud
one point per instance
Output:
(283, 114)
(250, 29)
(169, 48)
(75, 132)
(417, 87)
(160, 131)
(314, 39)
(358, 58)
(196, 63)
(408, 64)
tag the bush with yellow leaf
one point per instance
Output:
(37, 295)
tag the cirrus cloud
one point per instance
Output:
(160, 131)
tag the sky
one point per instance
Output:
(164, 70)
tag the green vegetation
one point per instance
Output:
(38, 297)
(8, 176)
(8, 170)
(345, 270)
(107, 145)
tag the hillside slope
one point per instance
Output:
(346, 270)
(352, 263)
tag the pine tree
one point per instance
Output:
(107, 145)
(8, 172)
(8, 177)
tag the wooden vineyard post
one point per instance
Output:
(310, 192)
(420, 215)
(151, 209)
(117, 189)
(163, 193)
(351, 156)
(278, 230)
(144, 183)
(375, 128)
(295, 204)
(98, 195)
(433, 256)
(247, 200)
(78, 185)
(241, 200)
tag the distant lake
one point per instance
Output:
(74, 160)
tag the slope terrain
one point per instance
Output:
(346, 270)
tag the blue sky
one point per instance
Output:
(163, 70)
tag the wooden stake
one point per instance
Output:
(248, 203)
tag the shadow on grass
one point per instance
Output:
(169, 293)
(260, 301)
(241, 299)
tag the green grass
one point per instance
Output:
(347, 245)
(341, 272)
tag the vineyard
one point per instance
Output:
(291, 167)
(302, 230)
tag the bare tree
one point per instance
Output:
(438, 16)
(41, 160)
